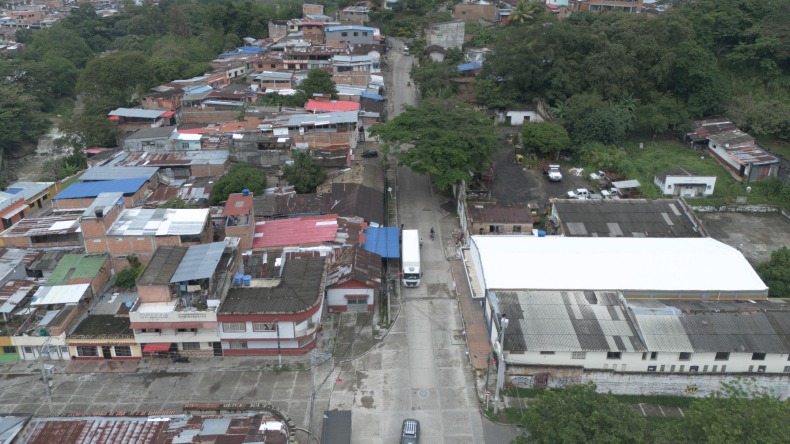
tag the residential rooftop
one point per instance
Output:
(159, 222)
(103, 326)
(165, 159)
(117, 172)
(162, 266)
(81, 190)
(44, 226)
(77, 269)
(137, 113)
(299, 289)
(162, 132)
(296, 231)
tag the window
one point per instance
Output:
(644, 356)
(234, 327)
(264, 326)
(787, 369)
(579, 355)
(356, 34)
(651, 368)
(546, 353)
(653, 356)
(151, 330)
(64, 350)
(87, 351)
(682, 368)
(238, 345)
(357, 300)
(671, 369)
(705, 369)
(614, 367)
(760, 369)
(122, 351)
(9, 349)
(190, 346)
(364, 34)
(27, 349)
(613, 355)
(715, 368)
(723, 368)
(184, 145)
(186, 330)
(751, 368)
(343, 34)
(694, 368)
(758, 356)
(684, 356)
(517, 228)
(722, 356)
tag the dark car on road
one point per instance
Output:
(411, 432)
(370, 153)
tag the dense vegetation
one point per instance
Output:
(737, 413)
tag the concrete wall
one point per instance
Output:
(686, 186)
(208, 170)
(134, 347)
(337, 39)
(447, 35)
(154, 293)
(695, 385)
(336, 298)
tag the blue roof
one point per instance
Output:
(244, 50)
(469, 66)
(13, 190)
(93, 189)
(368, 95)
(384, 241)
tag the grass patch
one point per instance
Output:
(63, 107)
(778, 146)
(71, 181)
(659, 156)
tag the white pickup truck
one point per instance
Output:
(579, 193)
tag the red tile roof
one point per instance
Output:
(334, 105)
(237, 205)
(310, 230)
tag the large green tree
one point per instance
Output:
(305, 174)
(547, 138)
(776, 273)
(318, 81)
(444, 139)
(21, 118)
(240, 177)
(738, 413)
(115, 80)
(577, 414)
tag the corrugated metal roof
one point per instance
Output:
(103, 202)
(137, 159)
(322, 119)
(162, 266)
(59, 294)
(162, 132)
(587, 218)
(349, 28)
(356, 200)
(237, 204)
(567, 321)
(159, 222)
(73, 267)
(93, 189)
(294, 232)
(26, 190)
(334, 105)
(714, 326)
(384, 241)
(355, 264)
(41, 226)
(136, 113)
(200, 262)
(484, 213)
(117, 172)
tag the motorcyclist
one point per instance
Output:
(432, 233)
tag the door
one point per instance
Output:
(105, 351)
(217, 346)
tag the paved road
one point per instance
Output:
(421, 370)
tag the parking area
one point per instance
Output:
(755, 234)
(519, 184)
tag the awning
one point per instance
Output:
(168, 114)
(156, 348)
(114, 118)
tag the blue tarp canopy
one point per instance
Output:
(368, 95)
(384, 241)
(93, 189)
(469, 66)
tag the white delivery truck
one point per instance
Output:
(410, 258)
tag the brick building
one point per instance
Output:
(239, 218)
(472, 12)
(81, 195)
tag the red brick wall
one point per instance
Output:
(154, 293)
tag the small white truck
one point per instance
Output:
(552, 171)
(579, 193)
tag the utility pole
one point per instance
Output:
(46, 371)
(500, 376)
(488, 374)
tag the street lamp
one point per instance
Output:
(500, 375)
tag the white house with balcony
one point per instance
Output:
(271, 317)
(180, 290)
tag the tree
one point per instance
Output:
(444, 139)
(318, 81)
(305, 174)
(433, 78)
(738, 413)
(524, 13)
(547, 138)
(85, 131)
(114, 80)
(21, 119)
(176, 202)
(240, 177)
(776, 273)
(578, 414)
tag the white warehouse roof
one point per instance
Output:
(635, 266)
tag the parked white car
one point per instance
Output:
(580, 193)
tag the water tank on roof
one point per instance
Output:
(247, 280)
(245, 192)
(128, 304)
(541, 233)
(237, 279)
(43, 332)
